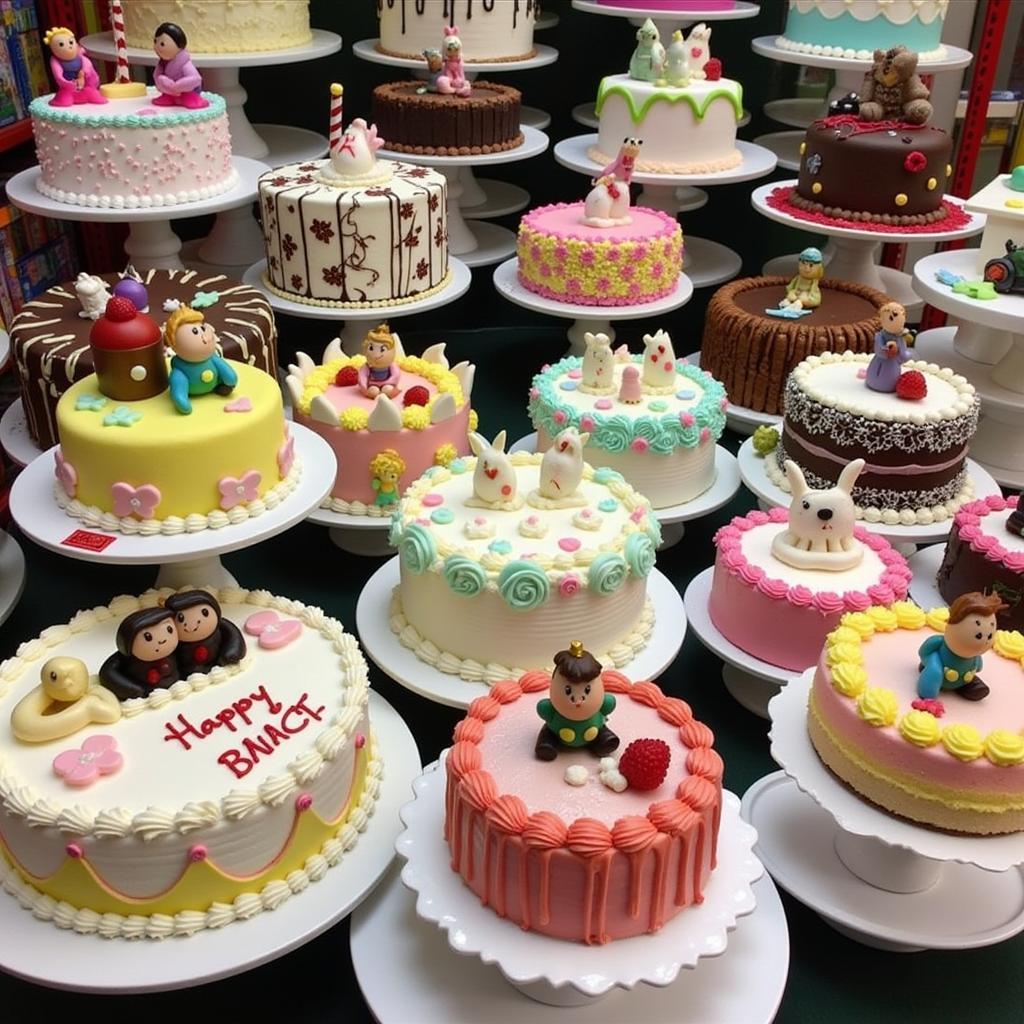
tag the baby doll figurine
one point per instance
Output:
(197, 368)
(380, 374)
(803, 291)
(77, 81)
(144, 661)
(435, 65)
(890, 349)
(176, 77)
(62, 703)
(205, 637)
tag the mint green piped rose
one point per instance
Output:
(607, 573)
(464, 575)
(417, 548)
(523, 585)
(639, 554)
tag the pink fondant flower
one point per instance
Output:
(561, 251)
(572, 286)
(535, 251)
(286, 456)
(932, 706)
(657, 269)
(603, 285)
(626, 273)
(639, 444)
(587, 257)
(570, 585)
(84, 765)
(66, 475)
(235, 490)
(639, 251)
(135, 501)
(687, 419)
(612, 255)
(705, 435)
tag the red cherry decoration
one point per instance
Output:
(911, 386)
(713, 69)
(346, 377)
(417, 395)
(645, 763)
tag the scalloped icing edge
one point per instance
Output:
(375, 304)
(817, 50)
(358, 508)
(159, 201)
(981, 508)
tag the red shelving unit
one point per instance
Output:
(15, 134)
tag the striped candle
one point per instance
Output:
(336, 126)
(117, 23)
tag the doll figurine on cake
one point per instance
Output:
(885, 371)
(176, 78)
(74, 76)
(576, 710)
(598, 362)
(146, 641)
(380, 374)
(676, 72)
(607, 203)
(197, 368)
(205, 638)
(435, 68)
(64, 702)
(803, 293)
(648, 61)
(386, 469)
(452, 81)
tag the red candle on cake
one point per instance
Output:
(128, 353)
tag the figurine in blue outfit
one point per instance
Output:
(803, 293)
(890, 349)
(951, 662)
(197, 368)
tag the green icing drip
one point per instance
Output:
(168, 117)
(669, 96)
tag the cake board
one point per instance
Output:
(667, 21)
(924, 591)
(738, 418)
(904, 538)
(12, 575)
(559, 973)
(673, 518)
(351, 325)
(882, 881)
(399, 663)
(15, 439)
(586, 319)
(185, 558)
(358, 535)
(38, 952)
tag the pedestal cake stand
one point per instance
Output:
(358, 535)
(12, 575)
(882, 881)
(667, 21)
(385, 649)
(924, 590)
(185, 558)
(739, 418)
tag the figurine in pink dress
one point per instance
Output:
(452, 80)
(380, 374)
(176, 77)
(74, 76)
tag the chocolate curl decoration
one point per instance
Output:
(337, 92)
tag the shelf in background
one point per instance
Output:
(15, 134)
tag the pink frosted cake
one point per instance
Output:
(617, 851)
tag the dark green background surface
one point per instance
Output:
(831, 978)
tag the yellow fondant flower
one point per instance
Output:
(878, 706)
(445, 454)
(354, 418)
(1003, 747)
(908, 615)
(1009, 644)
(859, 621)
(920, 728)
(849, 679)
(937, 619)
(415, 417)
(963, 742)
(884, 618)
(843, 635)
(849, 653)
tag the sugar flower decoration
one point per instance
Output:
(83, 765)
(135, 501)
(66, 475)
(121, 416)
(236, 490)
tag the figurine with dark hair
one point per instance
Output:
(176, 78)
(145, 659)
(205, 637)
(576, 708)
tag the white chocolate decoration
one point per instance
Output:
(577, 775)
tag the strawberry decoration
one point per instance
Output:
(645, 763)
(348, 376)
(120, 309)
(912, 386)
(713, 69)
(417, 395)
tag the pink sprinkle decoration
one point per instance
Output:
(575, 374)
(862, 373)
(433, 499)
(587, 423)
(603, 403)
(303, 802)
(932, 706)
(560, 416)
(638, 514)
(74, 851)
(705, 435)
(687, 419)
(569, 544)
(360, 741)
(197, 854)
(639, 444)
(479, 520)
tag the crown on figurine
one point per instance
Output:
(576, 648)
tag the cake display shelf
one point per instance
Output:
(852, 68)
(151, 243)
(751, 682)
(356, 321)
(925, 565)
(476, 244)
(485, 197)
(400, 664)
(553, 971)
(185, 558)
(220, 75)
(12, 574)
(586, 319)
(532, 117)
(738, 418)
(667, 21)
(358, 535)
(785, 146)
(15, 439)
(366, 49)
(37, 952)
(586, 115)
(903, 538)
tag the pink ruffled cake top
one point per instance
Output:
(564, 220)
(349, 396)
(970, 524)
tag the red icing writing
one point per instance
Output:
(241, 760)
(230, 717)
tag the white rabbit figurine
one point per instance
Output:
(494, 479)
(561, 471)
(659, 362)
(677, 63)
(698, 47)
(93, 294)
(598, 360)
(820, 533)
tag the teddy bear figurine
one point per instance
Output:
(893, 90)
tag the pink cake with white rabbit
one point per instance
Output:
(784, 579)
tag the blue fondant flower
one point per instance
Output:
(456, 467)
(568, 385)
(686, 395)
(607, 573)
(121, 416)
(464, 575)
(608, 505)
(201, 300)
(499, 547)
(90, 403)
(523, 585)
(639, 554)
(442, 516)
(417, 548)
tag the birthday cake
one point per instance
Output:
(352, 230)
(50, 335)
(166, 769)
(650, 417)
(501, 554)
(147, 447)
(388, 417)
(676, 100)
(557, 834)
(899, 712)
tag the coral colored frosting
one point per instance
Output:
(968, 523)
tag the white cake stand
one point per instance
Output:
(596, 319)
(846, 858)
(751, 681)
(673, 518)
(151, 243)
(12, 574)
(924, 590)
(740, 419)
(785, 146)
(954, 60)
(903, 538)
(667, 21)
(358, 535)
(188, 558)
(707, 263)
(366, 49)
(353, 329)
(797, 112)
(384, 649)
(14, 436)
(45, 955)
(476, 244)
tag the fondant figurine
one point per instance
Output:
(356, 153)
(891, 353)
(848, 104)
(631, 391)
(803, 294)
(698, 50)
(598, 360)
(820, 531)
(128, 353)
(576, 708)
(648, 61)
(452, 81)
(677, 63)
(893, 90)
(386, 469)
(144, 661)
(176, 77)
(62, 703)
(561, 470)
(74, 76)
(607, 203)
(659, 361)
(380, 374)
(1015, 521)
(952, 661)
(93, 294)
(205, 637)
(494, 479)
(435, 64)
(197, 368)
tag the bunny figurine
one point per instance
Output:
(598, 360)
(698, 43)
(659, 363)
(820, 533)
(494, 479)
(561, 471)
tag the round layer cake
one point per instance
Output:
(583, 863)
(781, 614)
(433, 124)
(915, 450)
(202, 804)
(142, 467)
(963, 771)
(129, 154)
(663, 442)
(752, 353)
(674, 5)
(983, 555)
(484, 589)
(50, 337)
(885, 172)
(568, 261)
